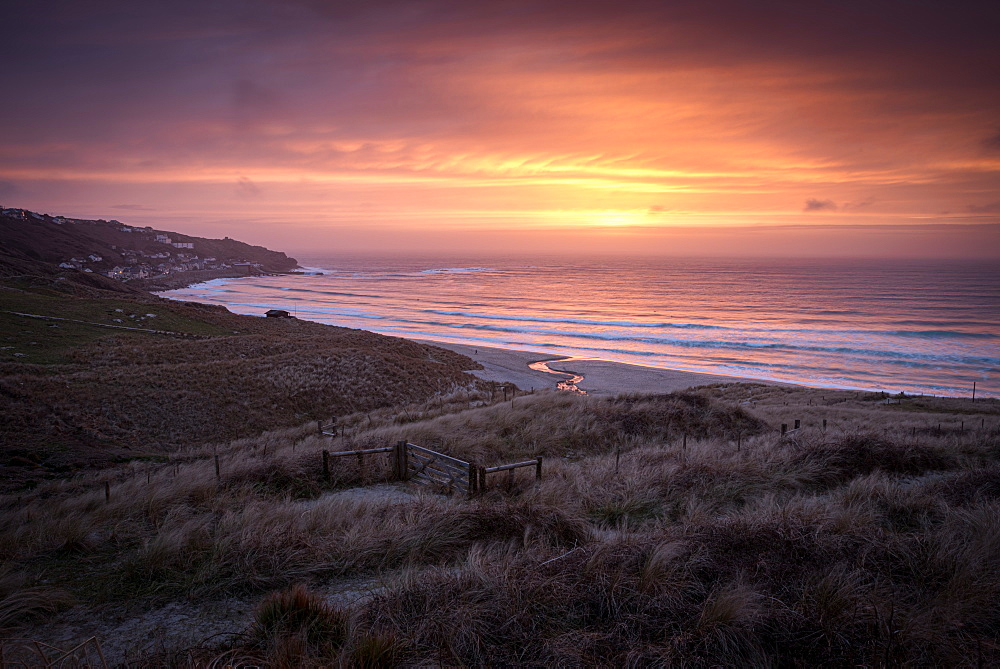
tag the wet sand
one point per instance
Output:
(601, 377)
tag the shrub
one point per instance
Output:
(297, 612)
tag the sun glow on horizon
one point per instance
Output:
(374, 127)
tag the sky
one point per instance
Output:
(713, 127)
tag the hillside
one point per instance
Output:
(92, 370)
(667, 530)
(130, 253)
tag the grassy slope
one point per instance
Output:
(80, 389)
(874, 542)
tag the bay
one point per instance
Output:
(920, 327)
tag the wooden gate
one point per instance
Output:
(426, 467)
(430, 468)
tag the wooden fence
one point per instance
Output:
(329, 430)
(483, 471)
(430, 468)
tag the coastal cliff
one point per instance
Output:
(153, 259)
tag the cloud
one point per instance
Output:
(854, 206)
(131, 207)
(812, 204)
(253, 103)
(246, 188)
(991, 208)
(992, 143)
(8, 188)
(716, 110)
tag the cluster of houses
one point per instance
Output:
(140, 264)
(24, 214)
(143, 266)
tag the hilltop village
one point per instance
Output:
(129, 253)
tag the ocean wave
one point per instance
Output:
(944, 324)
(939, 334)
(928, 334)
(456, 270)
(942, 358)
(427, 272)
(308, 310)
(574, 321)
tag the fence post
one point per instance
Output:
(784, 429)
(824, 424)
(218, 475)
(797, 423)
(473, 479)
(361, 465)
(538, 468)
(107, 492)
(319, 427)
(401, 461)
(326, 465)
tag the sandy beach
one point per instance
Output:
(601, 377)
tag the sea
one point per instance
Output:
(918, 327)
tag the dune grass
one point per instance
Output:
(680, 529)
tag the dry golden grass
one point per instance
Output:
(875, 542)
(128, 395)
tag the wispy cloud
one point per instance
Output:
(246, 188)
(131, 207)
(992, 142)
(812, 204)
(990, 208)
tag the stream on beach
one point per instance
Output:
(568, 380)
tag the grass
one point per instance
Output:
(871, 543)
(78, 395)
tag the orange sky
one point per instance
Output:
(720, 128)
